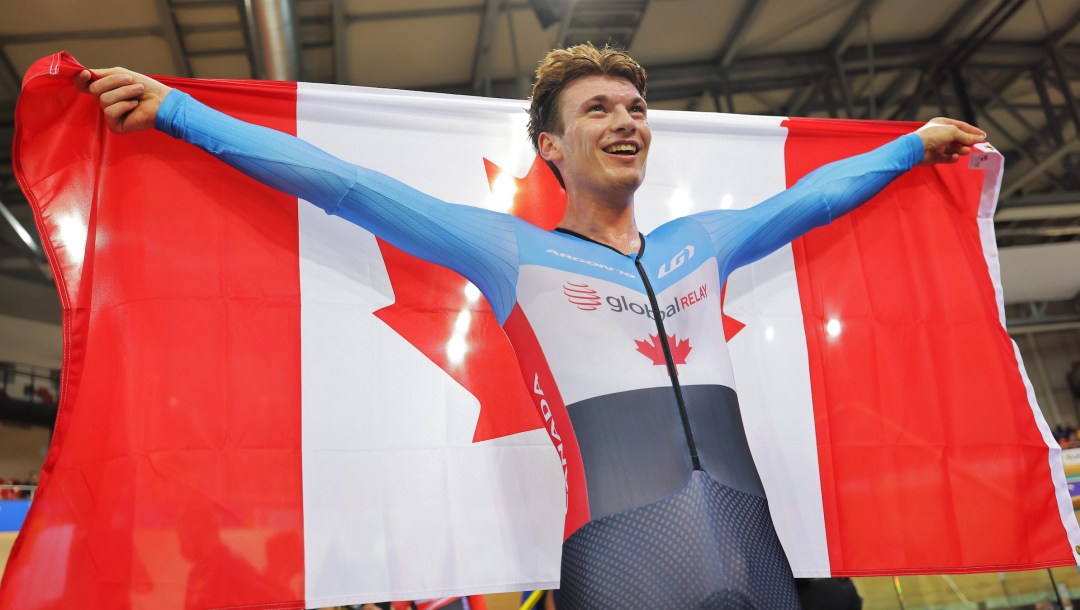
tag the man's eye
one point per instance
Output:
(596, 108)
(637, 110)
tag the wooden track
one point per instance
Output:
(965, 591)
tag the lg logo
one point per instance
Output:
(677, 261)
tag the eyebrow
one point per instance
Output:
(637, 101)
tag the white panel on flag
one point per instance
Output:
(398, 500)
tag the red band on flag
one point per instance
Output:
(175, 471)
(925, 458)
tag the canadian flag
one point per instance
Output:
(264, 406)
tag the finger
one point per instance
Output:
(962, 138)
(967, 128)
(953, 136)
(103, 72)
(110, 82)
(115, 114)
(127, 92)
(951, 148)
(956, 147)
(944, 158)
(82, 80)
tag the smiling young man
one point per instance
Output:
(664, 505)
(599, 134)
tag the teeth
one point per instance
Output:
(621, 148)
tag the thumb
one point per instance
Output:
(971, 138)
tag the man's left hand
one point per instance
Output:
(946, 140)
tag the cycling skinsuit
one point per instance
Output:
(665, 508)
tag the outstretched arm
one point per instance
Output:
(832, 190)
(477, 243)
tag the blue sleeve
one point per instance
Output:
(479, 244)
(741, 237)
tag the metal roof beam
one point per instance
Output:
(31, 251)
(987, 28)
(789, 69)
(1000, 102)
(172, 37)
(891, 93)
(1053, 122)
(637, 24)
(202, 28)
(842, 38)
(957, 20)
(836, 48)
(218, 52)
(1063, 86)
(79, 35)
(481, 69)
(999, 130)
(1057, 39)
(203, 3)
(1039, 79)
(9, 78)
(1041, 137)
(806, 20)
(564, 23)
(1038, 212)
(340, 22)
(1045, 199)
(1040, 168)
(750, 12)
(801, 99)
(443, 11)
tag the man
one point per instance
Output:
(664, 506)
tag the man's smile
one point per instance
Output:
(624, 148)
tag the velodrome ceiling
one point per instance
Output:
(1010, 66)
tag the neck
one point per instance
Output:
(606, 220)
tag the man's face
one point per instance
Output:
(605, 137)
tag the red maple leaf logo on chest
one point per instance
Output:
(652, 349)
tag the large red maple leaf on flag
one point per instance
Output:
(429, 300)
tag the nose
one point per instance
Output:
(622, 121)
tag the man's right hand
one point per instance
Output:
(129, 100)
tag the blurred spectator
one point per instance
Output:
(1066, 436)
(45, 395)
(35, 479)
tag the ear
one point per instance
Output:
(550, 146)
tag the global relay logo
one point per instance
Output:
(582, 296)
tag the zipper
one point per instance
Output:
(672, 371)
